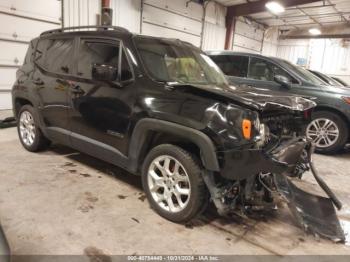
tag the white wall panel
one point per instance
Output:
(5, 101)
(179, 7)
(81, 12)
(329, 56)
(160, 17)
(127, 14)
(49, 10)
(22, 29)
(214, 37)
(248, 37)
(292, 50)
(172, 19)
(270, 43)
(214, 27)
(21, 21)
(149, 29)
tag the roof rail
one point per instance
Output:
(77, 28)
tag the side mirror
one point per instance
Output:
(283, 81)
(104, 72)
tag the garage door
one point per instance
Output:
(21, 20)
(173, 19)
(247, 37)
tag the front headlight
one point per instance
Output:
(264, 133)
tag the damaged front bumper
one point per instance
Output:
(314, 213)
(241, 164)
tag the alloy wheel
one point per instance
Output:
(27, 128)
(169, 183)
(323, 132)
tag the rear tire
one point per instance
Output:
(29, 132)
(173, 183)
(328, 131)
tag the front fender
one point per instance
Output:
(147, 125)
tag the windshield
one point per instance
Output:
(176, 61)
(303, 73)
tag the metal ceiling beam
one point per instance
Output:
(333, 31)
(259, 6)
(259, 20)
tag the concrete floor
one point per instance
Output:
(63, 202)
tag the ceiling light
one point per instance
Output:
(275, 7)
(315, 31)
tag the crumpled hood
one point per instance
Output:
(258, 99)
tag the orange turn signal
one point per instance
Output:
(246, 128)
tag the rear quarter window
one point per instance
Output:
(55, 55)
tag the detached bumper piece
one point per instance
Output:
(314, 213)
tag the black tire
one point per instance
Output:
(343, 131)
(199, 196)
(40, 142)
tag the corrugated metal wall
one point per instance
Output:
(292, 50)
(21, 20)
(330, 56)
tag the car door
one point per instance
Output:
(100, 109)
(53, 68)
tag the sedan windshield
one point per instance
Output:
(176, 61)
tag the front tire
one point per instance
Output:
(29, 133)
(173, 183)
(328, 131)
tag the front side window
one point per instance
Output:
(232, 65)
(175, 61)
(93, 52)
(260, 69)
(55, 55)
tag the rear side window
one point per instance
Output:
(102, 52)
(55, 55)
(30, 52)
(232, 65)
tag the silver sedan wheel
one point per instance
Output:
(169, 183)
(323, 132)
(27, 128)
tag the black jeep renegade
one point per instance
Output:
(161, 108)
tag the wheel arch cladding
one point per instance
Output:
(145, 127)
(19, 102)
